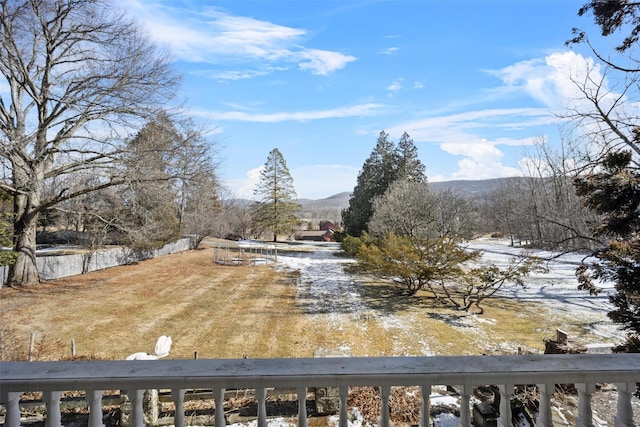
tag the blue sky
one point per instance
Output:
(474, 83)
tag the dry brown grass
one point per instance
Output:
(234, 311)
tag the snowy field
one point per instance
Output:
(557, 290)
(323, 279)
(326, 288)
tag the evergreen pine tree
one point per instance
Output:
(386, 164)
(277, 208)
(374, 178)
(410, 168)
(614, 192)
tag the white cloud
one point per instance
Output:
(470, 125)
(481, 160)
(233, 74)
(389, 51)
(340, 112)
(470, 168)
(322, 62)
(477, 135)
(243, 189)
(216, 37)
(418, 85)
(550, 80)
(395, 86)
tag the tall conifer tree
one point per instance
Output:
(410, 168)
(386, 164)
(614, 192)
(277, 208)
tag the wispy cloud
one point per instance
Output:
(302, 116)
(213, 36)
(479, 136)
(470, 125)
(232, 74)
(389, 51)
(322, 62)
(395, 86)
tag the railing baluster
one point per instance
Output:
(344, 392)
(94, 397)
(585, 415)
(261, 395)
(302, 407)
(137, 412)
(425, 405)
(506, 392)
(218, 397)
(586, 371)
(177, 395)
(12, 405)
(52, 400)
(385, 392)
(544, 411)
(465, 411)
(624, 415)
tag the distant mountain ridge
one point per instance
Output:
(330, 208)
(475, 189)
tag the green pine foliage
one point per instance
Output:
(277, 209)
(148, 218)
(614, 192)
(387, 163)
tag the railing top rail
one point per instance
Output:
(231, 373)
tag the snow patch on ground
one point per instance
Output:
(556, 289)
(324, 287)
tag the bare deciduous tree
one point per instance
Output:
(77, 72)
(543, 208)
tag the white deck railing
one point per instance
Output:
(585, 371)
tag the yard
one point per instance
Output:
(303, 304)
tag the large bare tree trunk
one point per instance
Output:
(24, 272)
(28, 178)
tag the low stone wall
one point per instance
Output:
(58, 266)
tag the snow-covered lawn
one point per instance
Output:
(326, 288)
(557, 290)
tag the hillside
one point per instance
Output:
(331, 206)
